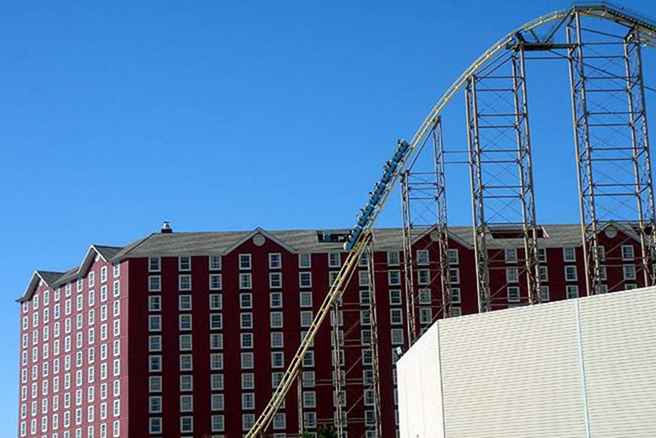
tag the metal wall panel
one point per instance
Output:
(619, 350)
(420, 398)
(578, 368)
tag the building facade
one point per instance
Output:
(187, 334)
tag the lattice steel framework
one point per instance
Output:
(611, 141)
(338, 374)
(373, 385)
(424, 210)
(487, 190)
(501, 168)
(348, 341)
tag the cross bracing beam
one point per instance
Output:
(531, 34)
(611, 142)
(501, 171)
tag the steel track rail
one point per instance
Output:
(598, 10)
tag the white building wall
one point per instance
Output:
(419, 388)
(578, 368)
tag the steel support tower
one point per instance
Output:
(424, 210)
(501, 168)
(611, 140)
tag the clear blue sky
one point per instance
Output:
(225, 115)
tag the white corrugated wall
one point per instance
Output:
(577, 368)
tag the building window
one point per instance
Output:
(216, 363)
(363, 278)
(154, 264)
(154, 283)
(275, 280)
(393, 258)
(544, 273)
(396, 316)
(511, 255)
(544, 293)
(306, 318)
(423, 257)
(216, 382)
(305, 279)
(572, 291)
(155, 384)
(279, 421)
(627, 252)
(216, 302)
(512, 274)
(309, 399)
(424, 296)
(184, 302)
(215, 263)
(275, 260)
(394, 278)
(513, 294)
(216, 282)
(332, 278)
(423, 277)
(275, 300)
(185, 342)
(245, 262)
(218, 423)
(155, 404)
(186, 362)
(305, 299)
(246, 320)
(277, 340)
(395, 297)
(277, 359)
(154, 363)
(217, 402)
(276, 320)
(246, 341)
(186, 403)
(629, 286)
(247, 421)
(184, 263)
(245, 281)
(542, 255)
(570, 273)
(304, 261)
(454, 275)
(184, 282)
(334, 259)
(154, 323)
(397, 336)
(186, 424)
(455, 295)
(247, 381)
(216, 341)
(246, 300)
(365, 297)
(154, 343)
(452, 256)
(247, 360)
(425, 315)
(569, 254)
(184, 322)
(629, 272)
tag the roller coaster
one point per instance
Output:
(602, 45)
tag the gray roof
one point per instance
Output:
(108, 252)
(210, 243)
(205, 243)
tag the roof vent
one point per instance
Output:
(166, 228)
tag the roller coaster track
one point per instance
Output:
(549, 24)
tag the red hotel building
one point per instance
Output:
(186, 334)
